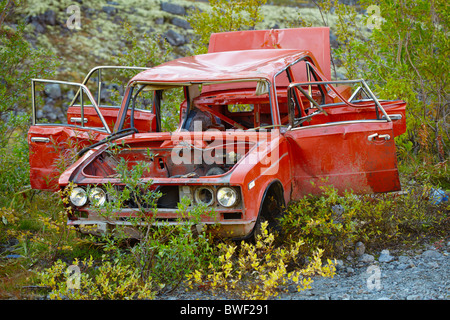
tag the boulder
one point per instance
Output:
(366, 258)
(110, 11)
(431, 254)
(49, 17)
(38, 26)
(174, 38)
(53, 90)
(385, 256)
(333, 40)
(360, 248)
(173, 8)
(181, 23)
(40, 21)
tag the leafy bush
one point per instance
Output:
(260, 270)
(403, 56)
(223, 16)
(164, 252)
(14, 171)
(336, 222)
(107, 282)
(41, 232)
(20, 62)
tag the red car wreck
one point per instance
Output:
(260, 121)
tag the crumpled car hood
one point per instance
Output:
(178, 155)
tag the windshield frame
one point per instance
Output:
(128, 97)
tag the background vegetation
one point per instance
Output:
(401, 50)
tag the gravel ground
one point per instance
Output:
(414, 275)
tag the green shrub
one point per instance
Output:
(107, 282)
(223, 16)
(164, 252)
(20, 62)
(336, 222)
(401, 49)
(261, 270)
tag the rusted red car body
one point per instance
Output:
(297, 131)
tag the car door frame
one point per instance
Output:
(141, 115)
(363, 172)
(43, 136)
(99, 69)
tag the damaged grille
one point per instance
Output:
(169, 199)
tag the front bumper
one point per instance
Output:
(226, 228)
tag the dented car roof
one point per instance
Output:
(223, 66)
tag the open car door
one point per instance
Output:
(349, 145)
(54, 146)
(54, 140)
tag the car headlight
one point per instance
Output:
(78, 197)
(227, 196)
(204, 195)
(97, 196)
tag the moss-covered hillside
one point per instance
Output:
(101, 35)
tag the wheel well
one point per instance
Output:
(273, 192)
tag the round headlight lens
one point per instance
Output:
(227, 197)
(204, 195)
(78, 197)
(97, 196)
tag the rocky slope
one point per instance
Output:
(98, 36)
